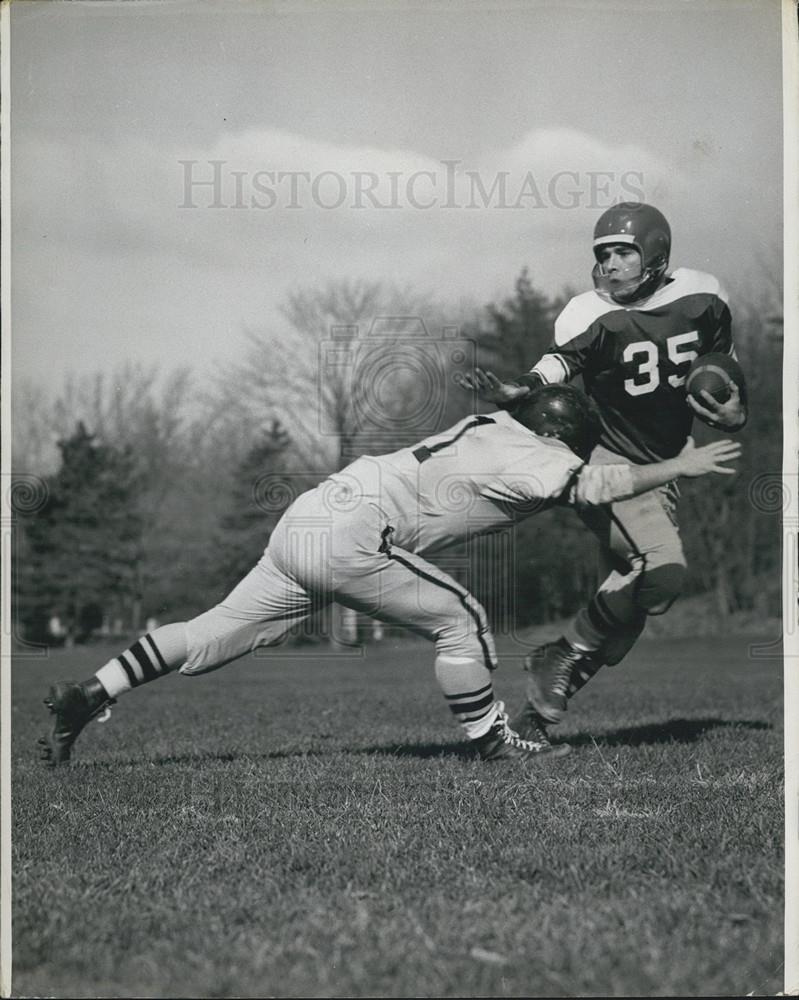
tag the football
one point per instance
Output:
(716, 374)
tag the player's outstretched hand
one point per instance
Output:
(489, 388)
(728, 416)
(710, 458)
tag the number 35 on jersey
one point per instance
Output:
(681, 350)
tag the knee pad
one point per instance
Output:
(658, 588)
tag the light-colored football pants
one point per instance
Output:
(320, 552)
(641, 566)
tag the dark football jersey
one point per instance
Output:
(634, 359)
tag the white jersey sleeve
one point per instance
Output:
(601, 484)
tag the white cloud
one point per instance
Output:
(297, 202)
(106, 255)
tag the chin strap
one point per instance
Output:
(636, 288)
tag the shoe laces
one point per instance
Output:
(510, 736)
(534, 724)
(567, 661)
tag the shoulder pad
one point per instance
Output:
(686, 281)
(578, 315)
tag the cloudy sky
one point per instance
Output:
(178, 167)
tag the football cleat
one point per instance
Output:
(503, 743)
(530, 726)
(74, 706)
(550, 668)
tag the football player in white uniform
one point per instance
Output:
(361, 538)
(632, 339)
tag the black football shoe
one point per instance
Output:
(530, 726)
(551, 667)
(74, 706)
(503, 743)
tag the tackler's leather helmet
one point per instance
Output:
(640, 226)
(562, 412)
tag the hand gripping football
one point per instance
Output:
(716, 374)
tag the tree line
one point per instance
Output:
(160, 493)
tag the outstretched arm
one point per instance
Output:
(492, 390)
(691, 462)
(600, 484)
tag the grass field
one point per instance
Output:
(314, 826)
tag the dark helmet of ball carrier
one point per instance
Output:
(642, 227)
(562, 412)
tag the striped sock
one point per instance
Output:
(469, 691)
(149, 658)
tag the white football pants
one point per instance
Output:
(317, 555)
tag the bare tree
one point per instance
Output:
(358, 366)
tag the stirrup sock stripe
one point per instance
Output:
(161, 662)
(468, 707)
(468, 694)
(128, 669)
(149, 672)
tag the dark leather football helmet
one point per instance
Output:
(644, 228)
(562, 412)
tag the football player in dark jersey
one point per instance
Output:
(632, 339)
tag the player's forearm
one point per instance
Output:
(649, 477)
(602, 484)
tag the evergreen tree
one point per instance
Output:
(520, 330)
(83, 545)
(528, 578)
(262, 488)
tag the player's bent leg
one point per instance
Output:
(260, 610)
(599, 636)
(621, 607)
(551, 669)
(618, 643)
(645, 535)
(558, 669)
(660, 585)
(642, 567)
(404, 589)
